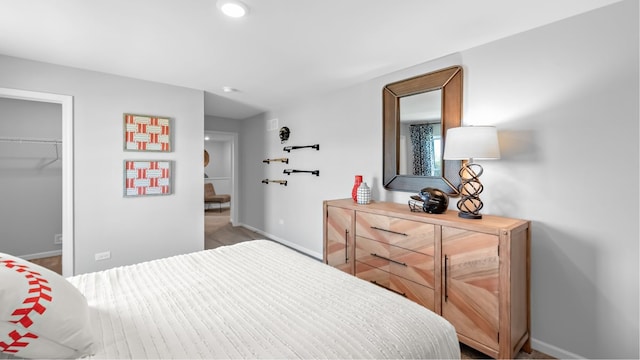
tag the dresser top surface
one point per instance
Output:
(489, 223)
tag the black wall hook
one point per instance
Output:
(282, 160)
(289, 148)
(281, 182)
(312, 172)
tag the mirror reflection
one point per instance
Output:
(420, 143)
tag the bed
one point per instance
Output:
(256, 299)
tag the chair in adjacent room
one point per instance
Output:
(210, 196)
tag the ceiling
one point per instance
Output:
(282, 51)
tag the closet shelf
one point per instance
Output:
(53, 142)
(30, 140)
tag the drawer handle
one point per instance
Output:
(346, 246)
(446, 287)
(384, 287)
(389, 231)
(386, 258)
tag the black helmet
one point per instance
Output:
(434, 201)
(284, 134)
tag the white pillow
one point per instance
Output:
(41, 314)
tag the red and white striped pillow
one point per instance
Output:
(41, 314)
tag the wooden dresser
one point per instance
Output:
(475, 273)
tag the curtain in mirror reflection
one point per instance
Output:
(422, 144)
(423, 157)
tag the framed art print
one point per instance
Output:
(147, 177)
(147, 133)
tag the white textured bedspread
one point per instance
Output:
(256, 299)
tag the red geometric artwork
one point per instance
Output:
(146, 133)
(147, 177)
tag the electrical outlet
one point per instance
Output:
(103, 255)
(57, 239)
(272, 124)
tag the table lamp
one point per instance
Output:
(471, 143)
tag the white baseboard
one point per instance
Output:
(41, 255)
(554, 351)
(284, 242)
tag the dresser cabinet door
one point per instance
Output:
(339, 241)
(470, 281)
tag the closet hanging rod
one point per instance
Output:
(30, 140)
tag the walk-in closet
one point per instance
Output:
(30, 178)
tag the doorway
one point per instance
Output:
(221, 169)
(66, 155)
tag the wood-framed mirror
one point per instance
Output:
(416, 115)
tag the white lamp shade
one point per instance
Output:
(472, 142)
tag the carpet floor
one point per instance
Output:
(218, 230)
(53, 263)
(469, 353)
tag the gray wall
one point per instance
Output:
(30, 179)
(133, 229)
(219, 158)
(565, 100)
(214, 123)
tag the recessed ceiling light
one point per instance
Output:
(229, 89)
(207, 138)
(232, 8)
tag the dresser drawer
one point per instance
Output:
(415, 292)
(408, 234)
(408, 264)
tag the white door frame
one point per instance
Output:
(67, 165)
(233, 138)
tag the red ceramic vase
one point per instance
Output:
(354, 192)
